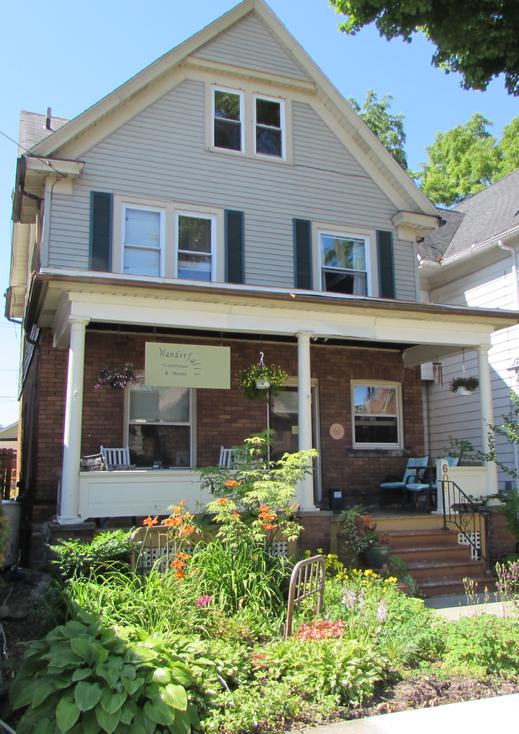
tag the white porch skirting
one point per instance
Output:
(138, 492)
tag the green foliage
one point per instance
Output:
(345, 669)
(354, 536)
(469, 383)
(510, 509)
(108, 550)
(482, 646)
(4, 534)
(388, 128)
(274, 375)
(509, 148)
(83, 678)
(477, 38)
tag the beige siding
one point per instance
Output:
(405, 270)
(249, 44)
(452, 415)
(161, 153)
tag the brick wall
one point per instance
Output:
(501, 541)
(225, 417)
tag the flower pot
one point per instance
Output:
(262, 384)
(463, 391)
(376, 556)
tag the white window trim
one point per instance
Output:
(399, 415)
(282, 119)
(196, 215)
(130, 205)
(241, 95)
(347, 232)
(192, 424)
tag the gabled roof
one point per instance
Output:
(32, 129)
(375, 155)
(486, 215)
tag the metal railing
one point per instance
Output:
(461, 511)
(307, 579)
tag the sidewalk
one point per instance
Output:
(499, 714)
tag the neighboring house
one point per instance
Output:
(226, 201)
(473, 261)
(9, 436)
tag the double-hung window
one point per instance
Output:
(377, 421)
(143, 240)
(160, 426)
(228, 119)
(269, 126)
(195, 245)
(344, 263)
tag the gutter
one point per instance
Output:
(513, 254)
(480, 247)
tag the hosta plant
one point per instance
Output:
(84, 679)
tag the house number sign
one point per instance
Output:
(187, 365)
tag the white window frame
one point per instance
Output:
(346, 234)
(399, 414)
(162, 211)
(282, 120)
(196, 215)
(192, 423)
(241, 95)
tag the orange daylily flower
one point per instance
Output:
(232, 483)
(186, 530)
(268, 526)
(236, 516)
(222, 501)
(151, 521)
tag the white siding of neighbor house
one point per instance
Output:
(161, 153)
(459, 416)
(249, 44)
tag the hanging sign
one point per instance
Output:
(187, 365)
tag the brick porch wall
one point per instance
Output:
(225, 417)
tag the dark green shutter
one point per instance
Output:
(386, 267)
(234, 245)
(101, 231)
(303, 253)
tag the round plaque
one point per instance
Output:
(336, 431)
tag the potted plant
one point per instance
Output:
(464, 385)
(354, 535)
(376, 554)
(116, 377)
(259, 381)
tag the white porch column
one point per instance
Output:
(304, 407)
(68, 511)
(487, 415)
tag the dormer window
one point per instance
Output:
(269, 127)
(228, 119)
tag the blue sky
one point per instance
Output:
(69, 56)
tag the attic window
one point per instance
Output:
(269, 123)
(228, 119)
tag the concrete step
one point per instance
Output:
(454, 553)
(427, 569)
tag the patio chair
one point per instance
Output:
(115, 458)
(428, 490)
(414, 473)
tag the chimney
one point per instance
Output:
(48, 119)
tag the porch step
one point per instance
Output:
(427, 536)
(452, 553)
(443, 586)
(428, 570)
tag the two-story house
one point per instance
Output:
(225, 201)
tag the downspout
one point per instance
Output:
(515, 282)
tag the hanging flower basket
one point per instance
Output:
(259, 382)
(116, 377)
(464, 385)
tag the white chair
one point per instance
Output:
(115, 457)
(228, 458)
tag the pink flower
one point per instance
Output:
(204, 601)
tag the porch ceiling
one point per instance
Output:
(424, 331)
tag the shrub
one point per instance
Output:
(107, 551)
(483, 645)
(83, 678)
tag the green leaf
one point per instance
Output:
(22, 692)
(84, 648)
(128, 712)
(161, 675)
(107, 722)
(112, 702)
(129, 671)
(44, 689)
(132, 686)
(159, 713)
(182, 674)
(81, 674)
(67, 713)
(174, 696)
(144, 653)
(89, 722)
(87, 695)
(182, 723)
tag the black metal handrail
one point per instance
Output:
(461, 511)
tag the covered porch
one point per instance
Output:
(328, 344)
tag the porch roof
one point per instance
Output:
(56, 296)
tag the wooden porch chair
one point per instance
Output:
(115, 457)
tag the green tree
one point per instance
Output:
(388, 128)
(477, 38)
(461, 162)
(509, 148)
